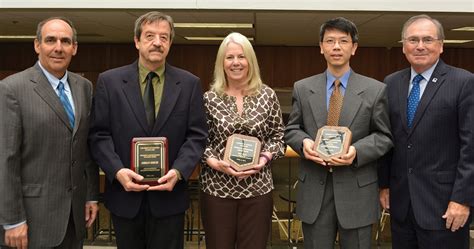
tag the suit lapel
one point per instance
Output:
(171, 92)
(317, 103)
(437, 79)
(403, 87)
(352, 101)
(46, 92)
(131, 89)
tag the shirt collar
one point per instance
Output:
(426, 74)
(143, 72)
(51, 78)
(331, 78)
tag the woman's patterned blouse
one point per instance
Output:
(261, 118)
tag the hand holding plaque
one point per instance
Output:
(332, 141)
(149, 158)
(242, 152)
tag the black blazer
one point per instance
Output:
(432, 163)
(118, 115)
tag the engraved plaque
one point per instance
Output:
(150, 158)
(332, 141)
(242, 152)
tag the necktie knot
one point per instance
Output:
(61, 86)
(150, 76)
(337, 83)
(418, 78)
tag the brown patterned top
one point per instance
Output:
(261, 118)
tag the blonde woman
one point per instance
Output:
(237, 206)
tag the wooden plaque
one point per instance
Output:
(150, 158)
(332, 141)
(242, 152)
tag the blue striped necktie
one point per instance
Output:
(413, 99)
(67, 105)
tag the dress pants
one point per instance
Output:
(322, 233)
(408, 234)
(236, 223)
(145, 231)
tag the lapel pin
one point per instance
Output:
(434, 80)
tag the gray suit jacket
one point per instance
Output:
(365, 113)
(45, 168)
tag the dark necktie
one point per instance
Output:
(149, 99)
(335, 104)
(66, 104)
(413, 99)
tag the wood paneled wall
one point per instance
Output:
(280, 66)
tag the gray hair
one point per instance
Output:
(413, 19)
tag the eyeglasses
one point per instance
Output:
(427, 40)
(332, 42)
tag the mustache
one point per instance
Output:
(157, 49)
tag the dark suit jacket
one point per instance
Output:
(433, 162)
(365, 113)
(118, 115)
(45, 168)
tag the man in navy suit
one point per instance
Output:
(146, 216)
(427, 180)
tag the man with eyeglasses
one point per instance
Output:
(427, 180)
(340, 194)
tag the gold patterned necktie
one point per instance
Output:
(335, 104)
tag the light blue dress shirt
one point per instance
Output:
(55, 82)
(330, 84)
(424, 82)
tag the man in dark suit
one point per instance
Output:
(340, 194)
(46, 174)
(147, 216)
(427, 180)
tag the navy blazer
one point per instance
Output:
(432, 163)
(118, 115)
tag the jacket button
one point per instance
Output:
(410, 170)
(321, 182)
(409, 146)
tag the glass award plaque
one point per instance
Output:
(149, 158)
(332, 141)
(242, 152)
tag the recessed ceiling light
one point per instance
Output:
(17, 36)
(451, 41)
(456, 41)
(464, 29)
(215, 25)
(208, 38)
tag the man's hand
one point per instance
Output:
(344, 160)
(126, 177)
(17, 237)
(456, 215)
(384, 197)
(310, 153)
(166, 182)
(91, 212)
